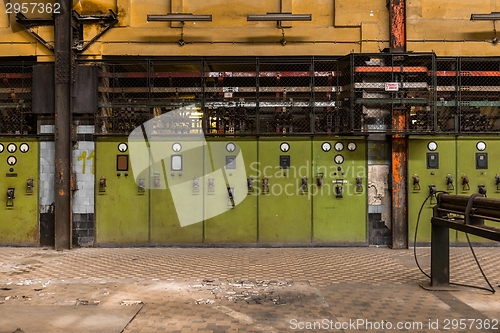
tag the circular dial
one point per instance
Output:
(230, 147)
(11, 160)
(339, 159)
(326, 146)
(1, 148)
(284, 147)
(339, 146)
(177, 147)
(11, 148)
(432, 145)
(24, 147)
(122, 147)
(481, 145)
(351, 146)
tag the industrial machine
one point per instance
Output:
(19, 173)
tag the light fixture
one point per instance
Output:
(178, 18)
(279, 17)
(184, 17)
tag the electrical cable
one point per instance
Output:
(492, 290)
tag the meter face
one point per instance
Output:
(24, 147)
(177, 147)
(326, 146)
(11, 148)
(1, 148)
(122, 147)
(339, 159)
(339, 146)
(11, 160)
(351, 146)
(481, 145)
(432, 146)
(230, 147)
(284, 147)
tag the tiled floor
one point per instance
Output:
(255, 289)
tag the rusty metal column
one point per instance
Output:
(399, 161)
(63, 69)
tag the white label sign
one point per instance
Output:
(391, 86)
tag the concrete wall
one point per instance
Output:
(337, 28)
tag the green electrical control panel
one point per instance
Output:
(19, 191)
(230, 193)
(284, 204)
(122, 198)
(431, 168)
(339, 190)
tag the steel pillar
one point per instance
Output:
(63, 79)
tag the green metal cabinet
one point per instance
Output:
(477, 160)
(231, 217)
(284, 207)
(338, 190)
(19, 191)
(122, 198)
(431, 162)
(177, 190)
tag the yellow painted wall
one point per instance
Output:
(338, 27)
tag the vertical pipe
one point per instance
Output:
(63, 77)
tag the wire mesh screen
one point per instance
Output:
(392, 92)
(16, 115)
(447, 95)
(479, 95)
(329, 116)
(123, 97)
(230, 97)
(285, 97)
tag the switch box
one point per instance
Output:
(285, 161)
(481, 160)
(432, 160)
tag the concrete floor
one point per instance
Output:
(134, 290)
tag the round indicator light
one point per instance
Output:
(432, 145)
(11, 148)
(24, 147)
(11, 160)
(339, 146)
(284, 147)
(351, 146)
(339, 159)
(1, 148)
(177, 147)
(326, 146)
(122, 147)
(481, 145)
(230, 147)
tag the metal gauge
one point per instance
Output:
(122, 147)
(284, 147)
(230, 147)
(351, 146)
(339, 146)
(177, 147)
(1, 148)
(11, 160)
(432, 145)
(11, 148)
(24, 147)
(481, 145)
(339, 159)
(326, 146)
